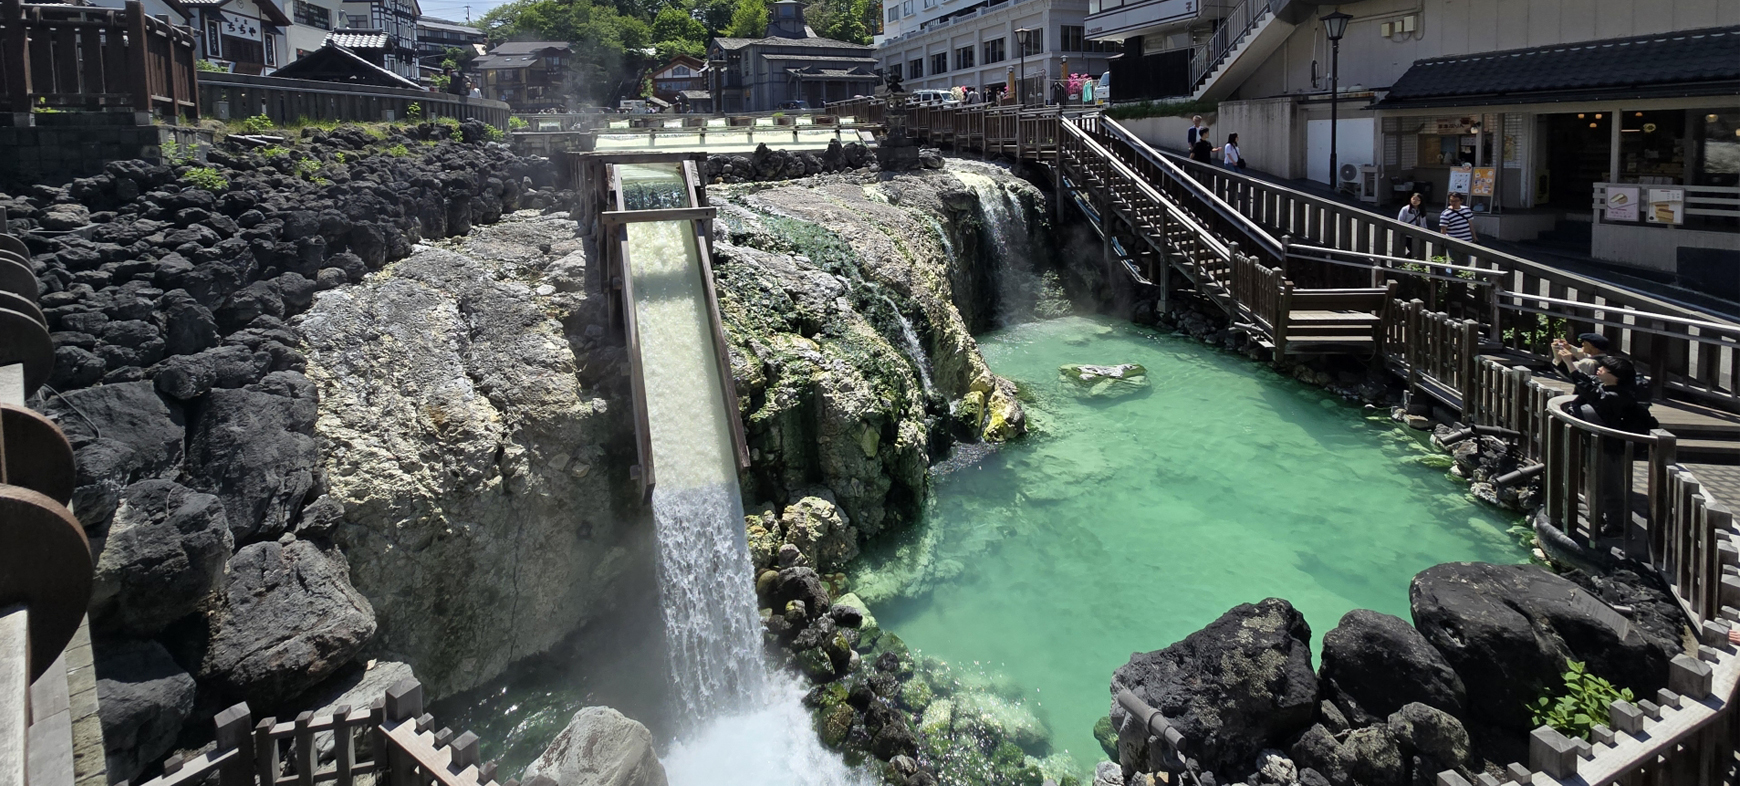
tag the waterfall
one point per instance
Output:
(947, 244)
(742, 723)
(914, 350)
(1006, 226)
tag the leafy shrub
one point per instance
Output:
(205, 177)
(398, 151)
(207, 65)
(256, 124)
(307, 168)
(517, 124)
(494, 134)
(1583, 705)
(273, 150)
(414, 112)
(175, 153)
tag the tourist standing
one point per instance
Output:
(1457, 220)
(1195, 133)
(1230, 155)
(1413, 214)
(1606, 399)
(1202, 150)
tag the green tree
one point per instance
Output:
(847, 20)
(608, 45)
(749, 20)
(715, 14)
(667, 50)
(674, 24)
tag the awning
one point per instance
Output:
(1665, 65)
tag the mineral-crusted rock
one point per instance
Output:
(1234, 688)
(469, 464)
(289, 619)
(600, 747)
(1116, 381)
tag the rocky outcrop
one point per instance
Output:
(850, 352)
(469, 463)
(764, 163)
(600, 747)
(1108, 382)
(1409, 748)
(289, 619)
(1373, 664)
(143, 698)
(1239, 686)
(1508, 630)
(164, 553)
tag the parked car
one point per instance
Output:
(798, 105)
(944, 97)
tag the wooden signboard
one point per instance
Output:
(1483, 180)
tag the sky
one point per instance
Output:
(455, 9)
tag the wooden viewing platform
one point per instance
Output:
(1303, 275)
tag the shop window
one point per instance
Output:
(963, 58)
(1652, 147)
(312, 15)
(1719, 143)
(939, 63)
(915, 68)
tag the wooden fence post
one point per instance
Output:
(138, 56)
(235, 729)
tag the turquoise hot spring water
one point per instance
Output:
(1124, 525)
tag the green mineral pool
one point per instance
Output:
(1123, 525)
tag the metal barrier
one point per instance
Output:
(73, 57)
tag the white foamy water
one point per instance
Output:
(1006, 223)
(914, 350)
(772, 745)
(743, 724)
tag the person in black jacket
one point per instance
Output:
(1606, 399)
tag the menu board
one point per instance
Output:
(1667, 206)
(1461, 180)
(1483, 179)
(1622, 203)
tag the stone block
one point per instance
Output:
(1518, 773)
(1690, 678)
(1651, 710)
(1667, 698)
(1708, 653)
(1729, 594)
(1451, 778)
(1601, 734)
(1627, 718)
(1714, 634)
(1552, 753)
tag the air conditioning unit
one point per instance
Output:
(1361, 179)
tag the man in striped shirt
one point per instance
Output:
(1457, 221)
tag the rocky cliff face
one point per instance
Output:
(853, 362)
(469, 460)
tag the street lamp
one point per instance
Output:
(1021, 87)
(1334, 25)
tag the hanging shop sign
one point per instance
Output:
(1622, 203)
(1667, 206)
(1483, 180)
(240, 26)
(1461, 180)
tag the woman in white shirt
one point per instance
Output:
(1229, 153)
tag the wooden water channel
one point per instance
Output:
(1469, 331)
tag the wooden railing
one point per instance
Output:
(1431, 349)
(392, 741)
(70, 57)
(286, 101)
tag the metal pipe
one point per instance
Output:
(1525, 473)
(1156, 724)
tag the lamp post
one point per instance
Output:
(1334, 25)
(1021, 87)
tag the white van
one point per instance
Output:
(944, 97)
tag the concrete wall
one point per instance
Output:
(55, 148)
(1168, 133)
(1270, 134)
(1654, 248)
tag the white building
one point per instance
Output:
(396, 18)
(939, 44)
(312, 21)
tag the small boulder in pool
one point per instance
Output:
(1105, 381)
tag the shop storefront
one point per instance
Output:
(1638, 138)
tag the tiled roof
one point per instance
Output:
(358, 39)
(817, 41)
(695, 95)
(442, 24)
(813, 72)
(1689, 62)
(503, 62)
(203, 3)
(530, 47)
(815, 59)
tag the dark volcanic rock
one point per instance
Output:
(164, 552)
(290, 618)
(254, 448)
(1508, 630)
(120, 434)
(1373, 664)
(143, 697)
(1242, 684)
